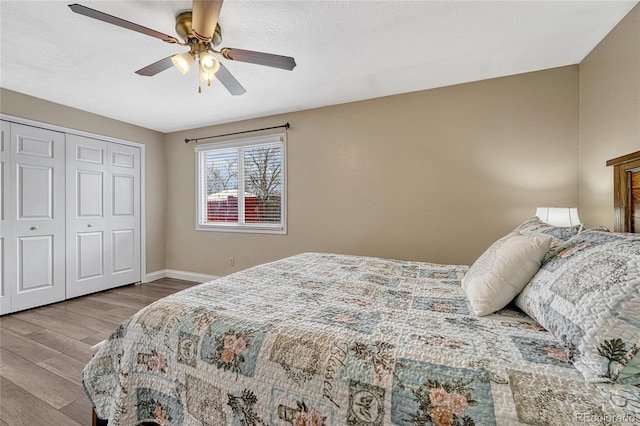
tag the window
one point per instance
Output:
(240, 185)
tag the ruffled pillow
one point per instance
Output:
(503, 270)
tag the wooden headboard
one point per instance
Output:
(626, 192)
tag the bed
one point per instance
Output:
(328, 339)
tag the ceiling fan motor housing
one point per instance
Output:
(185, 30)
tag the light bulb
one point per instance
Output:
(182, 62)
(205, 77)
(209, 63)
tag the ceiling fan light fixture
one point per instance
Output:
(182, 61)
(206, 77)
(199, 30)
(208, 63)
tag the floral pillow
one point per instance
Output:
(503, 270)
(587, 294)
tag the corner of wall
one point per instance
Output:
(609, 125)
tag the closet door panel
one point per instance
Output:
(37, 244)
(87, 226)
(90, 259)
(123, 250)
(35, 192)
(124, 219)
(5, 232)
(35, 275)
(89, 194)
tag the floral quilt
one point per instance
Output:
(325, 339)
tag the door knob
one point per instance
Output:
(34, 228)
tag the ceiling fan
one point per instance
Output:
(199, 30)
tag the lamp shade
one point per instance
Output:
(206, 77)
(559, 216)
(209, 63)
(182, 61)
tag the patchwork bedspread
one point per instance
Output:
(325, 339)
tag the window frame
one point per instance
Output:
(239, 145)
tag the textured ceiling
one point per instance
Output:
(345, 51)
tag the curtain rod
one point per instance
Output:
(285, 125)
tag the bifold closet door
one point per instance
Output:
(124, 214)
(103, 215)
(87, 199)
(5, 214)
(34, 243)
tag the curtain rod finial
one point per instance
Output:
(186, 140)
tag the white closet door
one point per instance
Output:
(37, 244)
(87, 202)
(124, 214)
(5, 214)
(103, 215)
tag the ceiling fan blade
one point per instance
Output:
(101, 16)
(156, 67)
(268, 59)
(229, 81)
(204, 18)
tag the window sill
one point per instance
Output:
(277, 229)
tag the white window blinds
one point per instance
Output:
(241, 185)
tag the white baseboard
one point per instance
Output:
(152, 276)
(179, 275)
(190, 276)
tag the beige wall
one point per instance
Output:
(20, 105)
(435, 175)
(609, 115)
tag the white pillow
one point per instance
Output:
(503, 270)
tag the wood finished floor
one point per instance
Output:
(43, 352)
